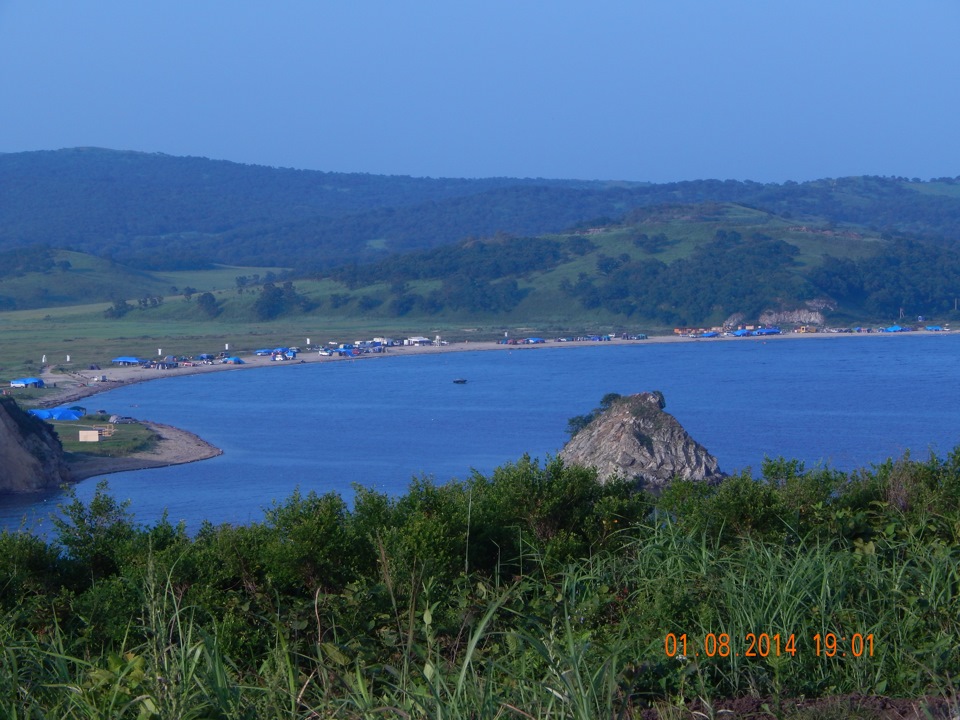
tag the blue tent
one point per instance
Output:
(126, 360)
(741, 333)
(27, 382)
(234, 361)
(59, 413)
(893, 328)
(65, 414)
(710, 334)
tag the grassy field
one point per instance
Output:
(117, 440)
(74, 338)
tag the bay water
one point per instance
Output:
(842, 402)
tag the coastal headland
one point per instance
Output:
(176, 446)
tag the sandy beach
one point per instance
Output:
(178, 446)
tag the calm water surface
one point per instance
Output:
(847, 403)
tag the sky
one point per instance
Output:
(645, 90)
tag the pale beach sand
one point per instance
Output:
(178, 446)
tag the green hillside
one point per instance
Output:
(662, 267)
(659, 268)
(200, 253)
(154, 211)
(41, 277)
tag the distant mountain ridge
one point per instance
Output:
(156, 211)
(125, 204)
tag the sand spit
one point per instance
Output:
(175, 447)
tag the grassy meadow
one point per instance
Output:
(118, 439)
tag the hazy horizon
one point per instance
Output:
(618, 90)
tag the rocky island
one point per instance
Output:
(632, 437)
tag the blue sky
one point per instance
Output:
(607, 89)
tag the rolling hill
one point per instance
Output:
(494, 251)
(661, 267)
(153, 211)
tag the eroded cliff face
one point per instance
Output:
(635, 439)
(31, 457)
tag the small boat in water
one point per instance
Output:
(460, 381)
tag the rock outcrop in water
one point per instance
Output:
(31, 456)
(634, 438)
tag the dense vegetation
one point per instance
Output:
(155, 211)
(533, 592)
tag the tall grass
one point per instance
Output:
(569, 645)
(265, 621)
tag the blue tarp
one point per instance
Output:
(65, 414)
(893, 328)
(24, 382)
(127, 360)
(741, 333)
(58, 413)
(710, 334)
(767, 331)
(234, 361)
(934, 328)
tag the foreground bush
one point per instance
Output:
(533, 592)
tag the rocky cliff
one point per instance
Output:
(635, 439)
(31, 457)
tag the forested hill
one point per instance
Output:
(156, 211)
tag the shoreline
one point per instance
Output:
(177, 446)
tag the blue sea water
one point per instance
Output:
(843, 402)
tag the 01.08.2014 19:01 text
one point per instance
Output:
(763, 645)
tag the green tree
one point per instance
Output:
(95, 536)
(208, 304)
